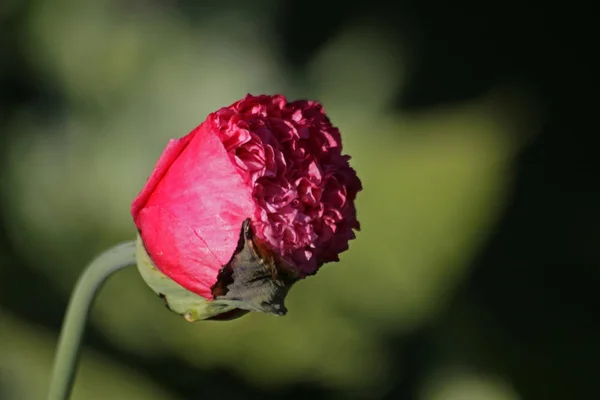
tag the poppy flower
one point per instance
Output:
(252, 200)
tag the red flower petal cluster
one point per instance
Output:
(276, 162)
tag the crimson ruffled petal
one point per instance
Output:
(298, 173)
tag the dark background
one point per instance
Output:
(528, 309)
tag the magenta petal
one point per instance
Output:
(169, 155)
(168, 240)
(207, 201)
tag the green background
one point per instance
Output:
(470, 279)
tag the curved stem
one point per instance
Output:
(86, 288)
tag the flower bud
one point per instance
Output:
(254, 199)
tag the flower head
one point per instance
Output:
(263, 178)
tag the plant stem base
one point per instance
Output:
(87, 287)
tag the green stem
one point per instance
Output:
(86, 288)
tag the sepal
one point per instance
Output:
(181, 301)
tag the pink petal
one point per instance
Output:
(204, 192)
(169, 155)
(178, 251)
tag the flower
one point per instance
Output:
(255, 198)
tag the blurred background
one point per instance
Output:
(471, 125)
